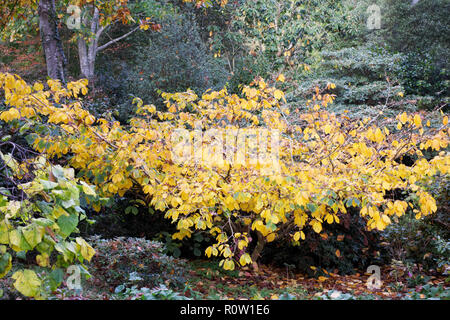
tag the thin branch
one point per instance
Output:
(116, 40)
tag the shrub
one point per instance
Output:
(420, 32)
(419, 242)
(359, 75)
(424, 73)
(120, 261)
(326, 163)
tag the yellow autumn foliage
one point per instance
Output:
(231, 164)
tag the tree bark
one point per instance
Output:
(51, 41)
(258, 249)
(87, 50)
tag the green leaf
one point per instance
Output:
(311, 207)
(58, 172)
(5, 263)
(43, 222)
(66, 254)
(48, 185)
(67, 224)
(69, 203)
(56, 277)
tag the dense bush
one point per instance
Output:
(425, 73)
(420, 32)
(170, 60)
(360, 76)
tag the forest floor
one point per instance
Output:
(207, 281)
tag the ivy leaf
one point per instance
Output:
(56, 277)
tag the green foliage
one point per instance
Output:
(159, 293)
(430, 292)
(359, 74)
(173, 59)
(142, 262)
(41, 223)
(425, 73)
(421, 32)
(420, 241)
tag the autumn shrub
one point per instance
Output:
(315, 166)
(120, 261)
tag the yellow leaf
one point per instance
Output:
(271, 237)
(27, 283)
(281, 78)
(327, 129)
(38, 86)
(317, 226)
(245, 259)
(417, 120)
(338, 253)
(86, 250)
(228, 264)
(278, 94)
(43, 260)
(403, 118)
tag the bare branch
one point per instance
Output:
(116, 40)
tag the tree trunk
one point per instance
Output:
(87, 56)
(51, 41)
(258, 249)
(87, 50)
